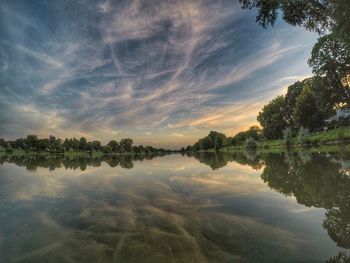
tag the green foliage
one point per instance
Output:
(319, 16)
(290, 99)
(74, 146)
(303, 135)
(2, 143)
(288, 136)
(107, 149)
(330, 59)
(254, 132)
(126, 144)
(306, 112)
(9, 149)
(114, 145)
(271, 118)
(250, 144)
(218, 139)
(32, 141)
(82, 144)
(305, 104)
(214, 140)
(309, 14)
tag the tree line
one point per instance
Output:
(330, 56)
(55, 145)
(303, 109)
(307, 103)
(216, 140)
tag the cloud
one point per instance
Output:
(104, 7)
(177, 135)
(121, 68)
(255, 63)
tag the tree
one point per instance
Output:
(330, 58)
(76, 144)
(43, 145)
(96, 146)
(293, 92)
(214, 140)
(321, 16)
(107, 149)
(20, 143)
(126, 144)
(55, 145)
(218, 139)
(52, 144)
(206, 143)
(271, 118)
(2, 143)
(254, 132)
(330, 19)
(240, 137)
(306, 113)
(114, 146)
(82, 144)
(32, 141)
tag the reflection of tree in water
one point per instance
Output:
(341, 257)
(317, 180)
(109, 218)
(337, 223)
(32, 162)
(218, 160)
(106, 218)
(314, 181)
(214, 160)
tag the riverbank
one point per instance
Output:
(71, 154)
(329, 139)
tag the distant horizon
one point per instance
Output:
(161, 73)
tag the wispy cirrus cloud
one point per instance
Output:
(144, 69)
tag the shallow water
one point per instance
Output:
(200, 208)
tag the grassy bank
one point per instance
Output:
(336, 137)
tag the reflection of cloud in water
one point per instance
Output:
(234, 178)
(111, 214)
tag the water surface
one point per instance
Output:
(290, 207)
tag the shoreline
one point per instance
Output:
(17, 152)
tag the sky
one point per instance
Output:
(162, 72)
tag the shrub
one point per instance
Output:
(9, 150)
(303, 135)
(287, 136)
(250, 144)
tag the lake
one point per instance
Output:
(238, 207)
